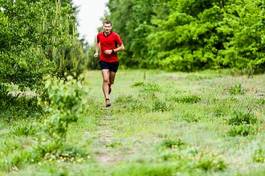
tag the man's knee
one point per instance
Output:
(106, 81)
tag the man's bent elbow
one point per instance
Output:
(122, 47)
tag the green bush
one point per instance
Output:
(63, 102)
(13, 107)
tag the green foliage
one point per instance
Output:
(67, 154)
(22, 130)
(63, 103)
(150, 87)
(38, 38)
(160, 105)
(211, 163)
(242, 130)
(241, 118)
(186, 99)
(16, 104)
(189, 116)
(189, 157)
(132, 137)
(259, 156)
(261, 101)
(171, 144)
(189, 35)
(242, 123)
(236, 89)
(18, 158)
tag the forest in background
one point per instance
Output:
(189, 35)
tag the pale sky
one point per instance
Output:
(90, 12)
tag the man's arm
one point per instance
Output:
(97, 49)
(120, 48)
(115, 50)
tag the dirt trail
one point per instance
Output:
(105, 154)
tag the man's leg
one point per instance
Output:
(111, 78)
(105, 85)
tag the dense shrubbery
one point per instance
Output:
(39, 38)
(36, 38)
(188, 35)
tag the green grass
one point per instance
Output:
(160, 124)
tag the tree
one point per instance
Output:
(37, 37)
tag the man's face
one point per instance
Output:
(107, 28)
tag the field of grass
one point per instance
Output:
(159, 124)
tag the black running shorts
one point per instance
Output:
(112, 66)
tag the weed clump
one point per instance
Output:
(160, 106)
(190, 116)
(259, 156)
(242, 130)
(242, 124)
(210, 163)
(150, 88)
(22, 130)
(261, 101)
(172, 143)
(240, 118)
(237, 89)
(187, 99)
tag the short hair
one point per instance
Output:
(107, 22)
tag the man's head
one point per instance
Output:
(107, 26)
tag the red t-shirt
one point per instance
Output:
(108, 43)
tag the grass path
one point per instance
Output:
(153, 108)
(164, 124)
(105, 135)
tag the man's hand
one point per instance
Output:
(108, 51)
(96, 54)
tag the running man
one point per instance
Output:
(108, 43)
